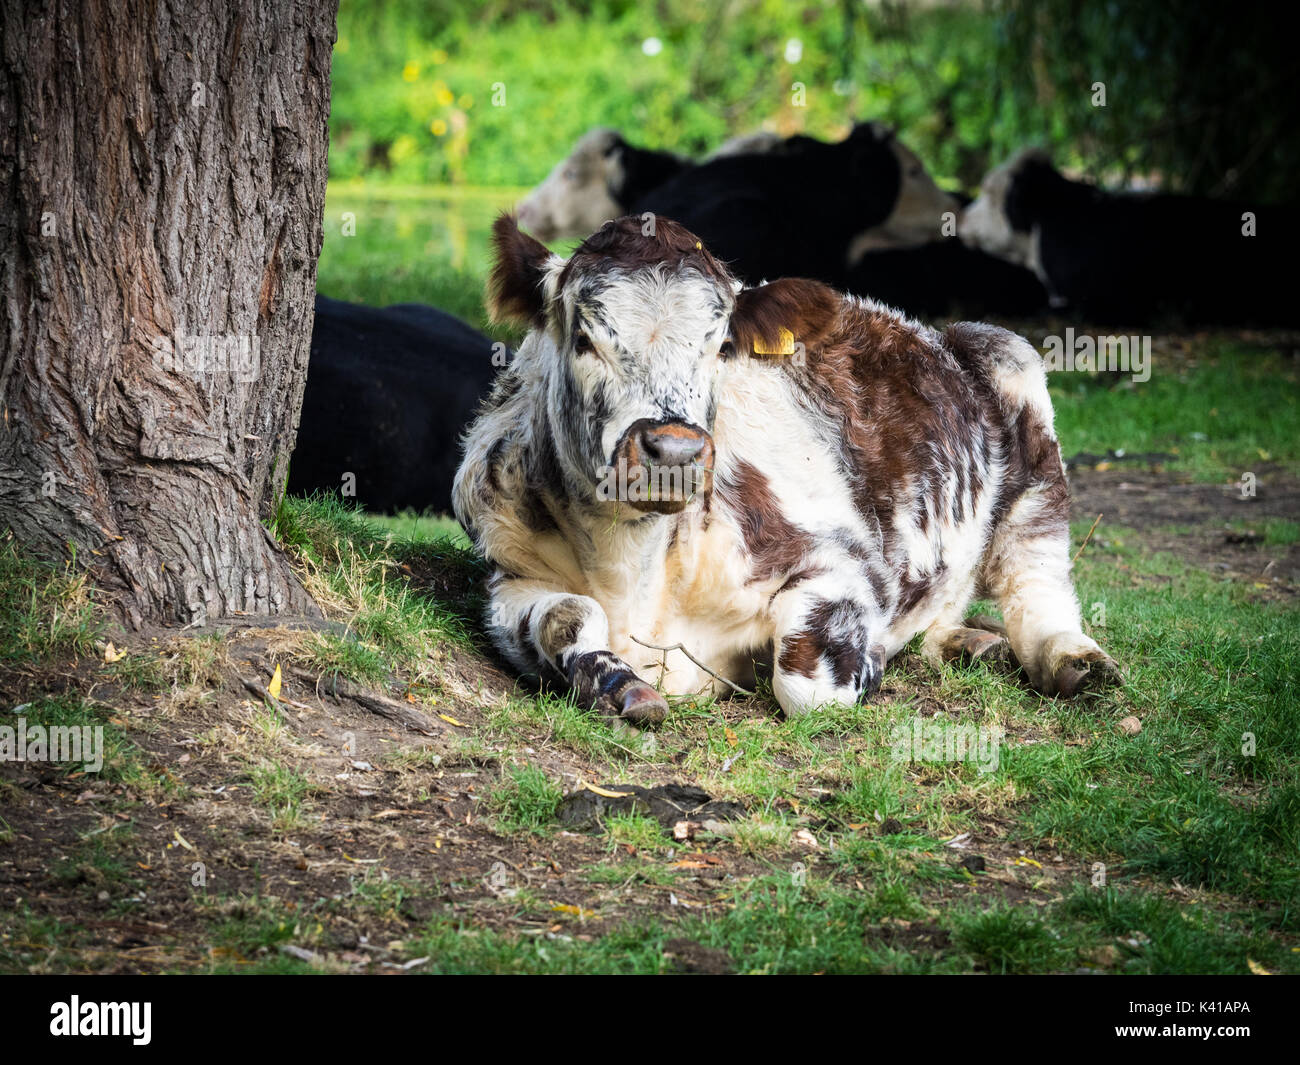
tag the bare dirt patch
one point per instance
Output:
(1205, 525)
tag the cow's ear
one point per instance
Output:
(772, 319)
(515, 289)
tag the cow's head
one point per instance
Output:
(1010, 208)
(919, 205)
(581, 192)
(631, 336)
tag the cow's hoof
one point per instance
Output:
(986, 622)
(1087, 674)
(642, 705)
(976, 645)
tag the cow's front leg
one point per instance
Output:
(544, 630)
(824, 652)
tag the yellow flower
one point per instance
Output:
(438, 127)
(445, 97)
(410, 72)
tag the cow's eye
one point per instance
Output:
(582, 344)
(728, 348)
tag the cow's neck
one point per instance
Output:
(622, 555)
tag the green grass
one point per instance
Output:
(356, 567)
(411, 246)
(44, 612)
(1232, 411)
(1207, 661)
(283, 791)
(414, 528)
(124, 763)
(526, 801)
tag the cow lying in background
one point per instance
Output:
(388, 393)
(777, 474)
(808, 210)
(945, 278)
(600, 179)
(604, 175)
(1136, 257)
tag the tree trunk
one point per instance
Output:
(162, 182)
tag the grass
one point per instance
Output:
(1231, 410)
(283, 791)
(356, 568)
(44, 612)
(1190, 828)
(411, 246)
(526, 801)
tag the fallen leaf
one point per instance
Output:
(804, 838)
(732, 738)
(1256, 968)
(1130, 726)
(452, 721)
(605, 791)
(574, 911)
(273, 689)
(112, 654)
(182, 840)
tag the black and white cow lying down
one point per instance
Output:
(1136, 257)
(779, 475)
(599, 179)
(772, 184)
(389, 391)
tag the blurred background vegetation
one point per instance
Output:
(445, 111)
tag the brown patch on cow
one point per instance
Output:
(801, 652)
(514, 291)
(1034, 461)
(806, 309)
(622, 244)
(776, 545)
(560, 626)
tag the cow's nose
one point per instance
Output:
(671, 445)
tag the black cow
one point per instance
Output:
(946, 278)
(388, 393)
(1137, 257)
(807, 210)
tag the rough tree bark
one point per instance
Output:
(162, 183)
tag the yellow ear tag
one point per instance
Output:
(784, 344)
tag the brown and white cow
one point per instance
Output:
(842, 478)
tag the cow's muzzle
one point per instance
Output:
(661, 467)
